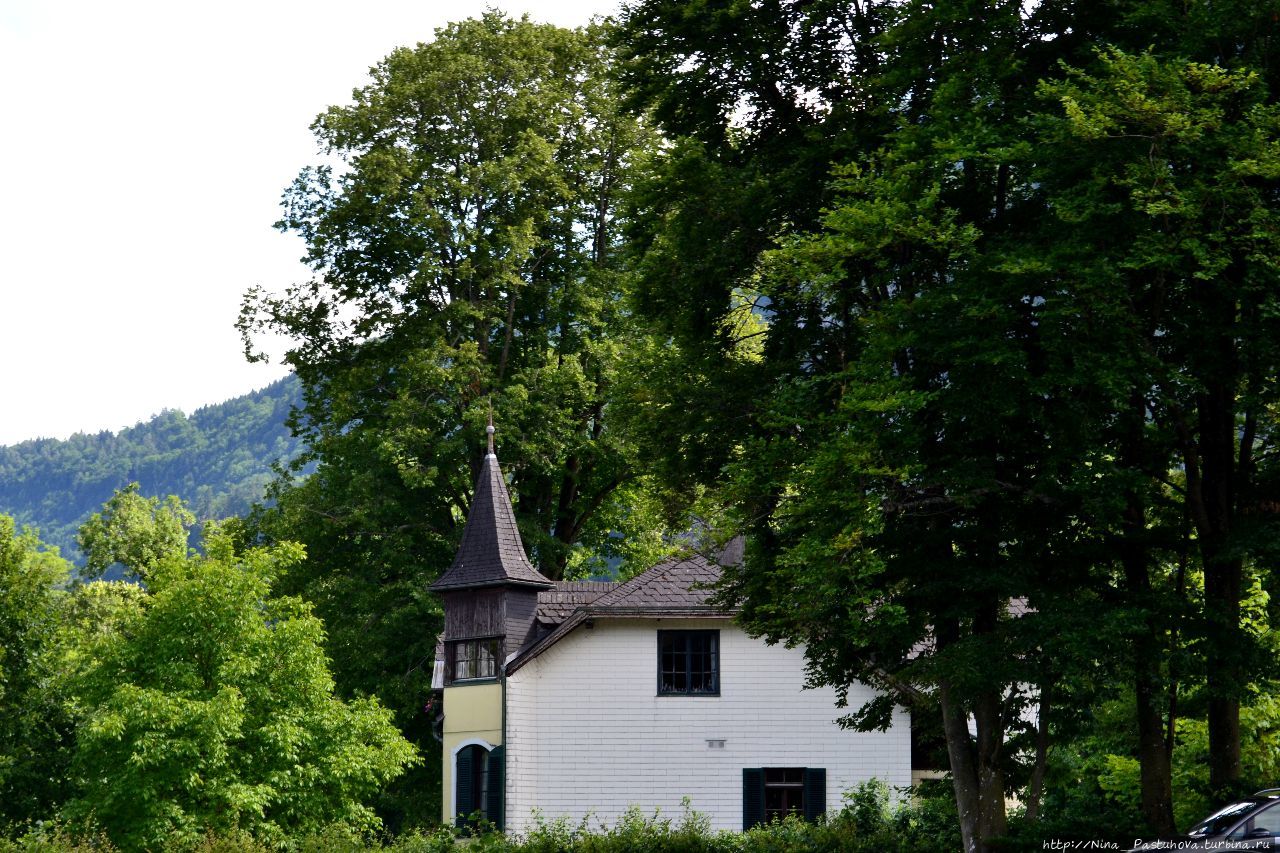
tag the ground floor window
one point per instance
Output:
(772, 793)
(478, 785)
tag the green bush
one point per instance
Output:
(872, 821)
(56, 838)
(634, 831)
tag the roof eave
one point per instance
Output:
(439, 587)
(582, 614)
(660, 612)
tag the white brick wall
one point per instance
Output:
(586, 732)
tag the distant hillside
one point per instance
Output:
(218, 460)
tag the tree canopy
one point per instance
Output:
(464, 239)
(212, 709)
(1007, 358)
(33, 724)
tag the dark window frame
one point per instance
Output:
(689, 653)
(475, 660)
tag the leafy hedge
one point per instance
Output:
(869, 822)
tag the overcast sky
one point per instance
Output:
(143, 149)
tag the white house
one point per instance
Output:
(584, 698)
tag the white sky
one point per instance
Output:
(143, 150)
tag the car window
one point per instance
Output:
(1266, 818)
(1221, 821)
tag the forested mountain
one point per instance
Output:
(218, 459)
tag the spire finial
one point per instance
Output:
(490, 430)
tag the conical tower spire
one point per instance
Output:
(491, 553)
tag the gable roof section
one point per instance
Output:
(672, 585)
(672, 588)
(491, 553)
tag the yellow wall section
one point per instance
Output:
(471, 712)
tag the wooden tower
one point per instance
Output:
(490, 596)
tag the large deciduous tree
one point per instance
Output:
(969, 393)
(462, 229)
(1173, 167)
(878, 474)
(462, 235)
(134, 533)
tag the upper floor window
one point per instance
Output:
(688, 663)
(471, 659)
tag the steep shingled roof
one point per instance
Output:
(670, 585)
(491, 553)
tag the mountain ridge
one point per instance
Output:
(219, 459)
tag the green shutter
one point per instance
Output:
(752, 797)
(815, 792)
(497, 768)
(463, 784)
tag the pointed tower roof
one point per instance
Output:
(491, 553)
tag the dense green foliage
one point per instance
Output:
(219, 459)
(1017, 347)
(869, 822)
(33, 725)
(134, 532)
(200, 703)
(966, 314)
(464, 242)
(211, 708)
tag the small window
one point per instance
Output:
(783, 792)
(773, 793)
(472, 659)
(688, 663)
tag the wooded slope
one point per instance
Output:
(218, 459)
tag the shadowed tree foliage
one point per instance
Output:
(965, 396)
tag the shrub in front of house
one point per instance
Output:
(870, 822)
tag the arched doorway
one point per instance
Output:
(477, 784)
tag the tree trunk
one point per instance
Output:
(992, 819)
(1035, 788)
(1222, 587)
(1153, 759)
(989, 720)
(964, 768)
(976, 773)
(1223, 571)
